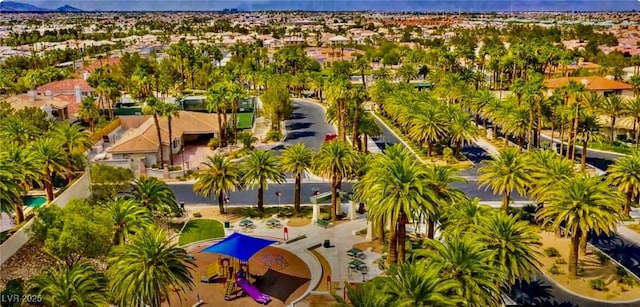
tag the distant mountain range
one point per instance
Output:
(10, 6)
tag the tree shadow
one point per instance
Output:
(531, 293)
(300, 134)
(297, 116)
(298, 126)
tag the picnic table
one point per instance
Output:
(357, 265)
(246, 223)
(273, 223)
(355, 252)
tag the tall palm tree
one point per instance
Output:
(338, 93)
(235, 92)
(155, 195)
(335, 160)
(220, 176)
(216, 102)
(508, 171)
(153, 106)
(581, 205)
(588, 130)
(52, 161)
(462, 130)
(78, 285)
(396, 196)
(462, 216)
(11, 190)
(420, 284)
(440, 180)
(296, 159)
(145, 270)
(512, 242)
(89, 112)
(632, 108)
(128, 218)
(428, 126)
(614, 107)
(73, 139)
(258, 169)
(548, 168)
(366, 294)
(170, 111)
(461, 258)
(624, 173)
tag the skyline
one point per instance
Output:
(346, 5)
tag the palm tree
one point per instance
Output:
(297, 160)
(428, 126)
(220, 176)
(89, 112)
(11, 190)
(170, 111)
(362, 65)
(146, 270)
(258, 169)
(216, 102)
(624, 173)
(548, 168)
(128, 218)
(407, 72)
(440, 180)
(338, 93)
(155, 195)
(581, 205)
(335, 160)
(420, 284)
(462, 130)
(614, 107)
(512, 242)
(78, 285)
(52, 161)
(235, 92)
(155, 107)
(462, 216)
(588, 130)
(396, 195)
(508, 171)
(632, 108)
(461, 258)
(479, 102)
(363, 295)
(73, 139)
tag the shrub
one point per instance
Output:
(447, 155)
(274, 135)
(14, 287)
(602, 258)
(598, 284)
(560, 261)
(551, 252)
(214, 143)
(197, 214)
(175, 168)
(555, 270)
(624, 277)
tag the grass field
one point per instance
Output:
(245, 120)
(201, 229)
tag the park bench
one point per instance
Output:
(323, 223)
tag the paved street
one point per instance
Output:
(307, 125)
(184, 192)
(599, 159)
(620, 249)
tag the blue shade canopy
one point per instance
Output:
(239, 246)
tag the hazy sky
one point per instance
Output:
(342, 5)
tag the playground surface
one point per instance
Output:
(272, 263)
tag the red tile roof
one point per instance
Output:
(99, 63)
(592, 83)
(67, 86)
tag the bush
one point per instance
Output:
(551, 252)
(624, 277)
(214, 143)
(274, 135)
(197, 214)
(555, 270)
(175, 168)
(598, 284)
(560, 261)
(602, 258)
(447, 155)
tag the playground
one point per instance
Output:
(244, 271)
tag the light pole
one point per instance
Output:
(278, 193)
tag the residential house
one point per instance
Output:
(139, 143)
(601, 85)
(85, 72)
(55, 107)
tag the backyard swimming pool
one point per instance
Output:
(34, 201)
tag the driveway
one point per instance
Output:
(307, 125)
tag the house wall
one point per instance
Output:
(148, 158)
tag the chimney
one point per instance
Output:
(78, 93)
(32, 95)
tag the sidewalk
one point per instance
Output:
(628, 234)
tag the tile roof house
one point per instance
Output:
(140, 141)
(58, 109)
(601, 85)
(86, 71)
(66, 87)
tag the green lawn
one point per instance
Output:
(623, 149)
(201, 229)
(245, 120)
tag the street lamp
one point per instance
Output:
(364, 274)
(278, 193)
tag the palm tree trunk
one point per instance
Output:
(613, 125)
(355, 137)
(570, 141)
(260, 198)
(583, 160)
(234, 118)
(334, 196)
(627, 203)
(155, 120)
(402, 233)
(221, 132)
(431, 224)
(48, 185)
(635, 131)
(170, 140)
(392, 257)
(296, 200)
(573, 255)
(366, 143)
(379, 225)
(506, 199)
(429, 148)
(221, 202)
(584, 238)
(17, 208)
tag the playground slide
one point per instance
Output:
(252, 291)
